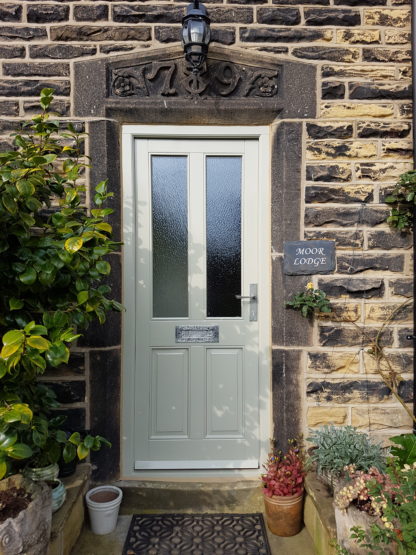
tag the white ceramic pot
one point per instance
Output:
(103, 504)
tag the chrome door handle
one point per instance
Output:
(253, 301)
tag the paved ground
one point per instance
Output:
(112, 544)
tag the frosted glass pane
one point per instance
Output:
(170, 236)
(223, 181)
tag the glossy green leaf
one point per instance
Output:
(82, 297)
(7, 439)
(38, 342)
(75, 438)
(28, 277)
(82, 451)
(9, 350)
(20, 451)
(3, 468)
(13, 336)
(69, 452)
(103, 267)
(73, 244)
(15, 304)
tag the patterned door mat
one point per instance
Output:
(202, 534)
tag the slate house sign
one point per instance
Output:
(308, 257)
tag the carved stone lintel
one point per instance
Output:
(175, 78)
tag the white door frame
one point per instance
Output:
(129, 134)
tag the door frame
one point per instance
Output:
(129, 134)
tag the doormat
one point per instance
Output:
(201, 534)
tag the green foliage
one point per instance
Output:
(310, 301)
(338, 447)
(405, 449)
(402, 200)
(397, 522)
(52, 262)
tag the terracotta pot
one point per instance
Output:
(284, 514)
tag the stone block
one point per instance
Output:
(379, 91)
(36, 69)
(328, 172)
(68, 391)
(272, 49)
(331, 16)
(96, 12)
(343, 312)
(22, 33)
(302, 2)
(105, 368)
(357, 70)
(47, 13)
(230, 15)
(389, 55)
(327, 53)
(348, 391)
(403, 335)
(321, 150)
(381, 171)
(10, 12)
(324, 416)
(9, 108)
(357, 336)
(99, 33)
(338, 194)
(317, 216)
(399, 361)
(397, 149)
(330, 130)
(405, 110)
(59, 106)
(395, 130)
(388, 313)
(287, 399)
(402, 287)
(109, 48)
(356, 110)
(375, 418)
(353, 287)
(22, 87)
(358, 36)
(333, 89)
(395, 36)
(357, 3)
(387, 240)
(334, 363)
(355, 264)
(75, 418)
(61, 51)
(130, 13)
(265, 34)
(278, 16)
(343, 239)
(396, 17)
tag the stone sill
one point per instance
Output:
(319, 516)
(67, 522)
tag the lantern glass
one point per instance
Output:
(197, 31)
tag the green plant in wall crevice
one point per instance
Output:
(53, 261)
(402, 201)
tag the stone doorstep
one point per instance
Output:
(197, 497)
(68, 521)
(319, 515)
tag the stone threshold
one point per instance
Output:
(68, 521)
(319, 516)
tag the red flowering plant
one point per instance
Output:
(285, 472)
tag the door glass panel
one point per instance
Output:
(170, 236)
(223, 184)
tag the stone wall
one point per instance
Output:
(352, 153)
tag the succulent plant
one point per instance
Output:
(338, 447)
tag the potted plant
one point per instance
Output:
(283, 484)
(53, 260)
(25, 515)
(335, 448)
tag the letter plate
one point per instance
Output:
(197, 334)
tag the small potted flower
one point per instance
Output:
(283, 484)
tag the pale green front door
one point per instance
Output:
(195, 365)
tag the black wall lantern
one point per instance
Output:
(196, 35)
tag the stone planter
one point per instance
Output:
(28, 533)
(345, 520)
